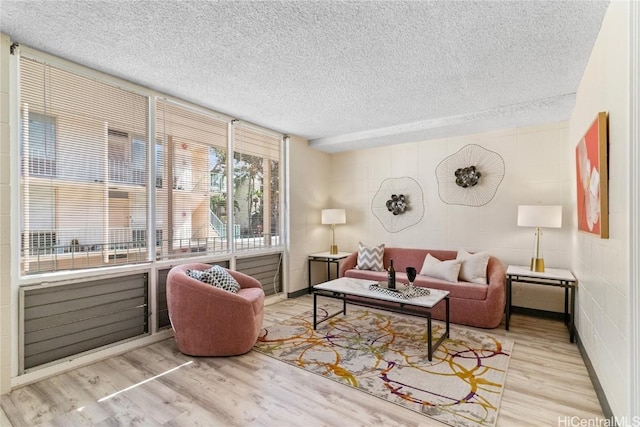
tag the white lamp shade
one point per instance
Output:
(334, 216)
(540, 216)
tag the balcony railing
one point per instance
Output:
(221, 227)
(46, 253)
(121, 171)
(41, 165)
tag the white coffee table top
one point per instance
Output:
(360, 287)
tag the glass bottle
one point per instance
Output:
(391, 276)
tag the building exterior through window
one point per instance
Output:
(91, 170)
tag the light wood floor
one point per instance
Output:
(156, 385)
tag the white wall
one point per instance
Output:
(309, 192)
(602, 265)
(537, 171)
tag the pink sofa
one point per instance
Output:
(471, 304)
(209, 321)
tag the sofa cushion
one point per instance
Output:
(378, 276)
(445, 270)
(474, 266)
(370, 258)
(462, 290)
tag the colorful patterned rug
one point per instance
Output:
(384, 354)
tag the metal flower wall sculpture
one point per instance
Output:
(403, 209)
(397, 204)
(470, 177)
(467, 177)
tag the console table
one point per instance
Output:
(327, 258)
(550, 277)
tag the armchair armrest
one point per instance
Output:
(244, 280)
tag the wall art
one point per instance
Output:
(470, 177)
(592, 178)
(398, 204)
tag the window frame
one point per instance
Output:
(158, 157)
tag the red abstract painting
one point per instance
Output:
(592, 178)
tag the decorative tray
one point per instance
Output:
(405, 292)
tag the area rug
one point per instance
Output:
(385, 355)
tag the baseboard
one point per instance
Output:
(297, 294)
(537, 313)
(602, 398)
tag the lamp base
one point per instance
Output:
(333, 250)
(537, 264)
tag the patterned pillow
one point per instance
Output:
(219, 277)
(370, 258)
(195, 274)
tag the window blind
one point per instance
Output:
(191, 188)
(83, 147)
(256, 180)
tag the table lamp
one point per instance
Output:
(333, 217)
(539, 217)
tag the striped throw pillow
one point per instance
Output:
(370, 258)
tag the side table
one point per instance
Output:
(550, 277)
(327, 258)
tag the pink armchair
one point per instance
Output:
(209, 321)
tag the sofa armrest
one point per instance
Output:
(349, 262)
(496, 278)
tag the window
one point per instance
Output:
(41, 237)
(159, 164)
(256, 183)
(86, 159)
(84, 195)
(39, 136)
(127, 158)
(139, 160)
(188, 211)
(119, 166)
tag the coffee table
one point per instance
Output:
(345, 288)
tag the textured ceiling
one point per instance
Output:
(343, 74)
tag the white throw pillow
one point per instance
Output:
(474, 266)
(370, 258)
(445, 270)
